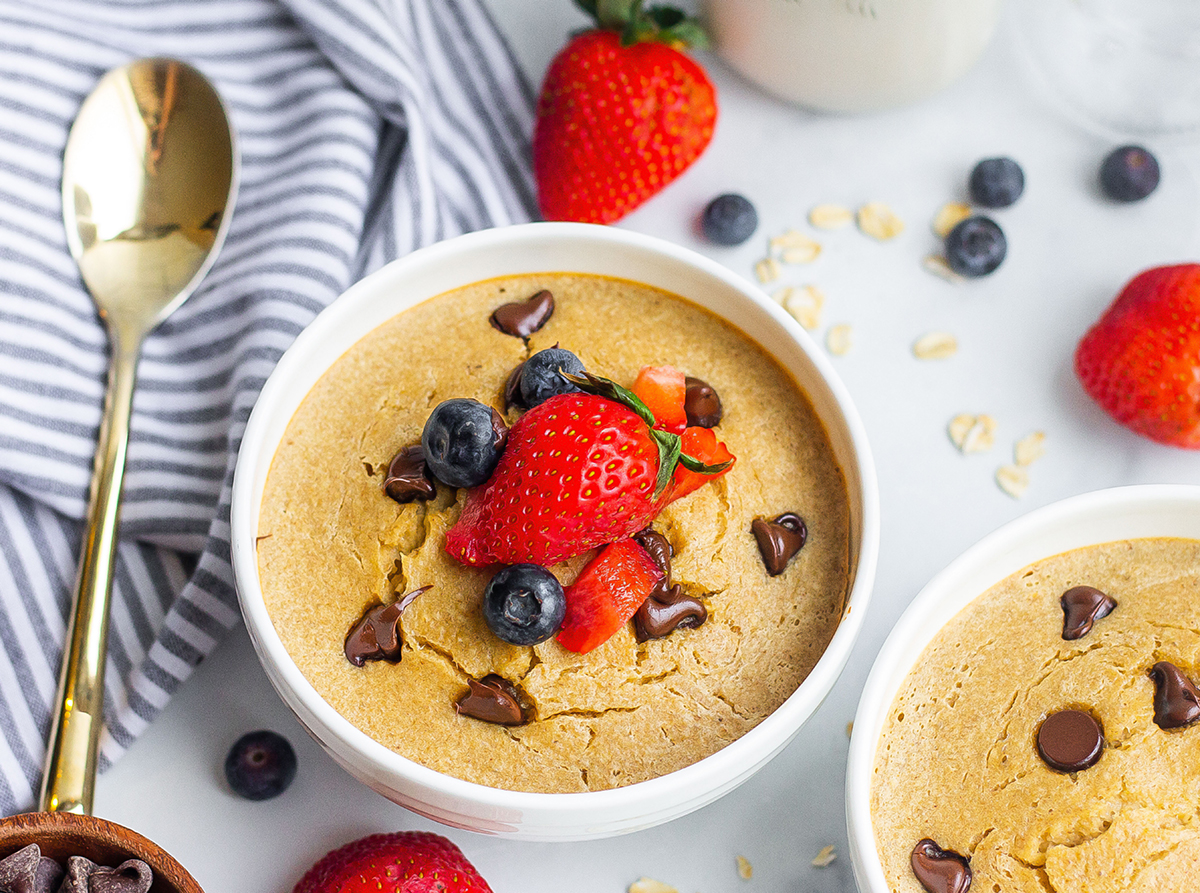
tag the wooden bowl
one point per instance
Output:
(64, 834)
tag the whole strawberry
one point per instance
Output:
(402, 862)
(1141, 361)
(622, 112)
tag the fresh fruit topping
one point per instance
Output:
(522, 318)
(975, 247)
(408, 477)
(996, 182)
(540, 378)
(580, 470)
(462, 441)
(663, 390)
(492, 699)
(523, 604)
(729, 219)
(779, 539)
(701, 404)
(607, 592)
(401, 862)
(1129, 174)
(702, 444)
(1141, 361)
(376, 635)
(260, 765)
(622, 112)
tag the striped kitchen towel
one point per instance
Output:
(367, 128)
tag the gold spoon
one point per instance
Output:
(149, 178)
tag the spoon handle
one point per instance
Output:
(70, 775)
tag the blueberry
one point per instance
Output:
(524, 604)
(975, 247)
(260, 765)
(462, 442)
(540, 379)
(996, 182)
(1129, 174)
(729, 219)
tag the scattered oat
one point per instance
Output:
(972, 434)
(949, 216)
(745, 869)
(825, 858)
(935, 346)
(767, 269)
(879, 221)
(793, 238)
(938, 266)
(781, 295)
(830, 216)
(838, 340)
(801, 254)
(647, 885)
(805, 304)
(1013, 480)
(1029, 448)
(849, 728)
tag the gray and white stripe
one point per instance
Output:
(367, 128)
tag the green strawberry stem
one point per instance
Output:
(638, 24)
(670, 446)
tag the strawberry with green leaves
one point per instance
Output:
(401, 862)
(622, 112)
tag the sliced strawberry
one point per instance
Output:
(402, 862)
(702, 444)
(664, 389)
(607, 592)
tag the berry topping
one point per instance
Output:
(996, 182)
(408, 479)
(606, 594)
(462, 442)
(975, 247)
(492, 699)
(1141, 361)
(701, 404)
(401, 862)
(523, 604)
(540, 379)
(1129, 174)
(260, 765)
(663, 390)
(729, 219)
(702, 444)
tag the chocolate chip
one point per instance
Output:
(657, 548)
(492, 699)
(1082, 606)
(512, 388)
(28, 871)
(499, 431)
(376, 635)
(666, 610)
(1176, 699)
(779, 539)
(1070, 740)
(701, 403)
(407, 477)
(522, 318)
(85, 876)
(939, 870)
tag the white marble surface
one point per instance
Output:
(1069, 252)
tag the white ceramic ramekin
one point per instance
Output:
(548, 247)
(1104, 516)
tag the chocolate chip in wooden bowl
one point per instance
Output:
(1082, 607)
(701, 403)
(779, 539)
(939, 870)
(1070, 740)
(1176, 699)
(408, 479)
(376, 635)
(522, 318)
(492, 699)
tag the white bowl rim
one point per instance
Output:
(678, 786)
(885, 677)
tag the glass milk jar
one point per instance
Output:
(851, 55)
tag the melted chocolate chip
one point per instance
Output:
(779, 540)
(522, 318)
(1082, 606)
(1176, 699)
(499, 431)
(512, 388)
(376, 635)
(407, 477)
(492, 699)
(1070, 740)
(701, 403)
(665, 611)
(657, 548)
(939, 870)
